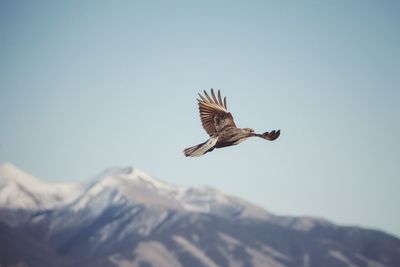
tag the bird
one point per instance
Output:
(218, 122)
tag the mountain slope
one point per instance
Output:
(125, 217)
(19, 248)
(21, 194)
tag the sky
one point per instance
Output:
(88, 85)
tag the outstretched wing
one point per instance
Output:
(213, 113)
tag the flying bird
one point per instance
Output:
(218, 122)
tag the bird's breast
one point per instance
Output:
(240, 140)
(224, 143)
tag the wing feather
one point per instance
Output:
(202, 98)
(208, 97)
(220, 99)
(214, 98)
(213, 113)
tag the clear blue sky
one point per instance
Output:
(86, 85)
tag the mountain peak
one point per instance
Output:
(127, 185)
(115, 171)
(132, 186)
(129, 174)
(20, 190)
(10, 172)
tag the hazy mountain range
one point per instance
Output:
(124, 218)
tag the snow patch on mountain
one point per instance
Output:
(303, 224)
(194, 250)
(131, 186)
(125, 186)
(156, 252)
(19, 190)
(152, 252)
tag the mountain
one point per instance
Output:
(32, 193)
(125, 217)
(21, 194)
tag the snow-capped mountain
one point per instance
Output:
(143, 203)
(125, 217)
(131, 185)
(19, 190)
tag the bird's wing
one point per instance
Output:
(213, 113)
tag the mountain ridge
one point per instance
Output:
(31, 192)
(122, 216)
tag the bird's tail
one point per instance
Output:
(201, 149)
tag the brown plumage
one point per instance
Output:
(221, 128)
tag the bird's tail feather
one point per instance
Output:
(201, 149)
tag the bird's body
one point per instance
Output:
(232, 136)
(219, 124)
